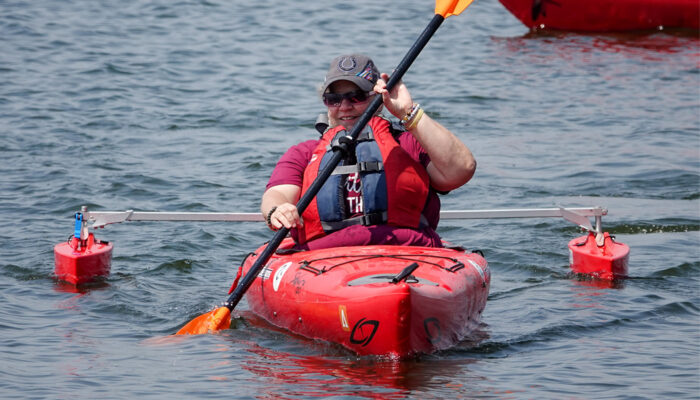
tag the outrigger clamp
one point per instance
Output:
(80, 233)
(585, 223)
(78, 225)
(78, 229)
(102, 219)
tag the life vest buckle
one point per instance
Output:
(370, 166)
(373, 218)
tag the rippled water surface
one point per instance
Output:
(187, 105)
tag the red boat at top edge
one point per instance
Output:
(605, 15)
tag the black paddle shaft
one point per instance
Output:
(338, 153)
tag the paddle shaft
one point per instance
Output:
(338, 154)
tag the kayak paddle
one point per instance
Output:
(220, 318)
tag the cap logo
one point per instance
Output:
(347, 64)
(367, 73)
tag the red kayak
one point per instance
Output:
(605, 15)
(394, 301)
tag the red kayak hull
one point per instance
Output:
(607, 262)
(82, 264)
(605, 15)
(345, 296)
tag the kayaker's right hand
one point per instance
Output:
(287, 215)
(278, 207)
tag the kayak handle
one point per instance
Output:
(403, 275)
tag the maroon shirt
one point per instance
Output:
(290, 171)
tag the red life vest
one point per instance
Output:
(394, 185)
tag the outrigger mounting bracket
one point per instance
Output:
(585, 223)
(106, 218)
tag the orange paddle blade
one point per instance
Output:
(448, 8)
(212, 321)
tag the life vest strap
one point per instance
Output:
(366, 220)
(363, 166)
(377, 218)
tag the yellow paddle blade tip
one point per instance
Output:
(212, 321)
(447, 8)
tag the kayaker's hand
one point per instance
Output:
(398, 102)
(286, 215)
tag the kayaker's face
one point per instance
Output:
(353, 103)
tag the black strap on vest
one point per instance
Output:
(363, 166)
(377, 218)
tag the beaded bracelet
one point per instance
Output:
(410, 114)
(411, 119)
(414, 122)
(269, 218)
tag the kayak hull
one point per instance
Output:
(346, 296)
(605, 15)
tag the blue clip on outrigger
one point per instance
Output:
(78, 227)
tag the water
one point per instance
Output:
(186, 106)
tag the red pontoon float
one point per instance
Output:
(608, 261)
(605, 15)
(82, 259)
(597, 254)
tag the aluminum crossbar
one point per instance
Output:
(100, 219)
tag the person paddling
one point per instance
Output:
(385, 189)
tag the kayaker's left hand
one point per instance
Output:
(398, 102)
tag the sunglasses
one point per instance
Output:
(354, 97)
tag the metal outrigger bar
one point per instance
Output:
(100, 219)
(576, 215)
